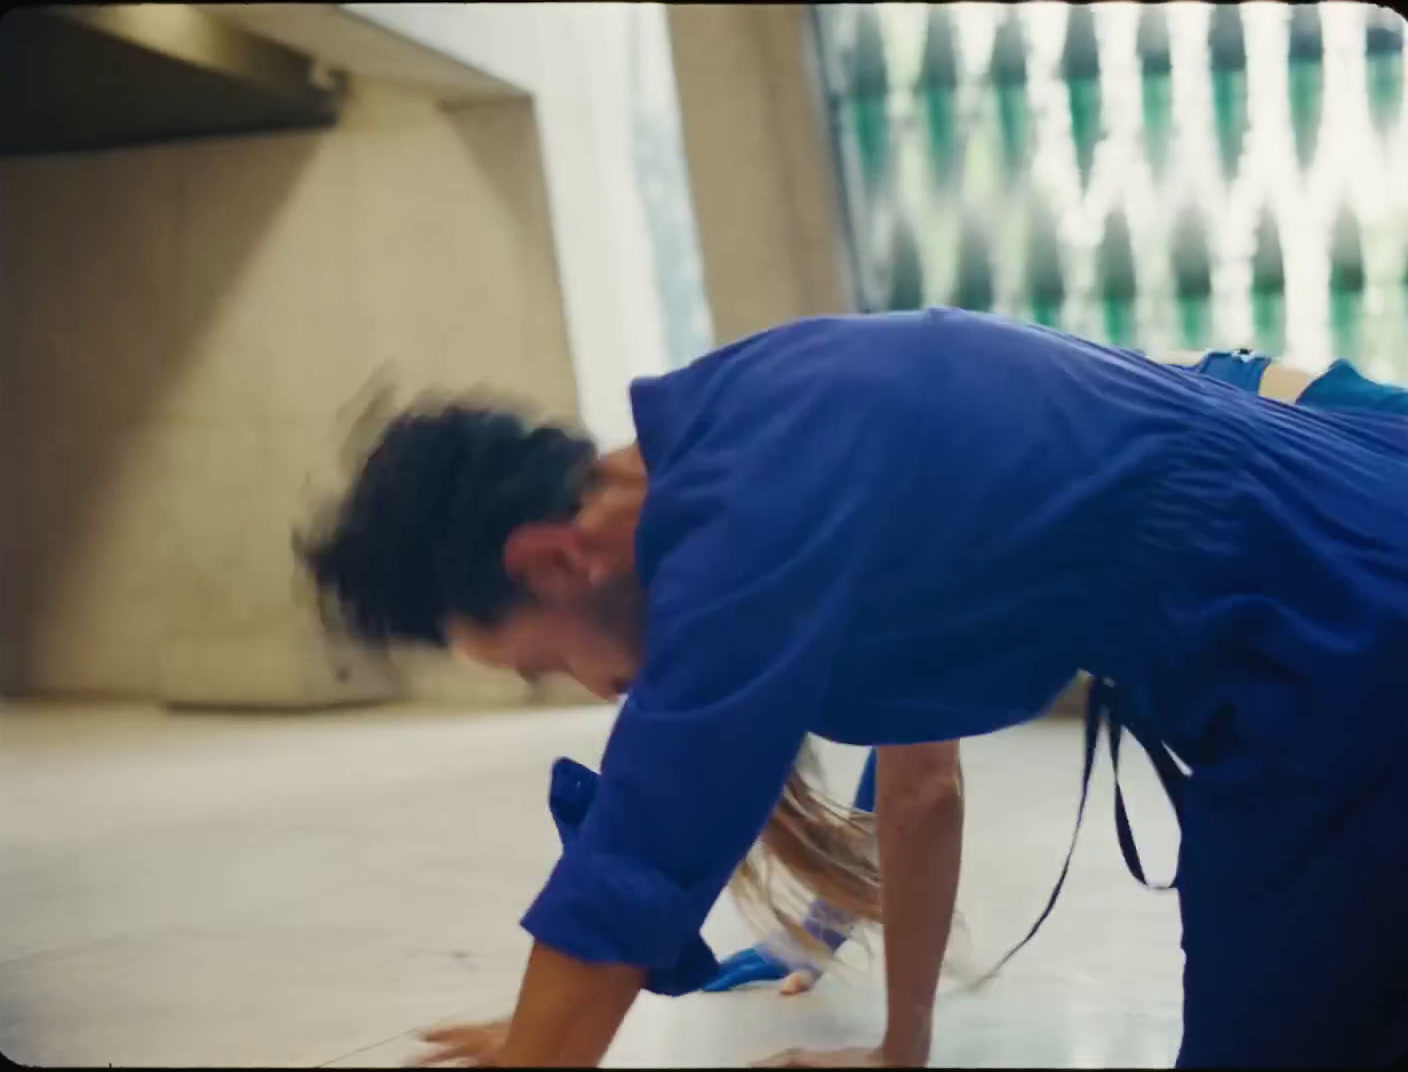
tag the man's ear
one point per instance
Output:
(550, 560)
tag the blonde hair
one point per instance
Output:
(814, 848)
(827, 850)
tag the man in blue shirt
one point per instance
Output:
(1341, 387)
(896, 531)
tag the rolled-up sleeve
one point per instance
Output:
(746, 616)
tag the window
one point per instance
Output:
(1161, 176)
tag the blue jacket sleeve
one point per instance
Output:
(695, 764)
(746, 614)
(569, 799)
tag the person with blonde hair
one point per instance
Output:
(899, 530)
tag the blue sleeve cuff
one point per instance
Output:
(610, 909)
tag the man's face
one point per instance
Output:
(534, 641)
(583, 613)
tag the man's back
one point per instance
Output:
(1033, 504)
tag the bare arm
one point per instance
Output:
(1181, 358)
(1282, 382)
(919, 806)
(568, 1011)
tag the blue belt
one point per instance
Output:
(1101, 707)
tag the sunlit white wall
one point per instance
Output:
(603, 87)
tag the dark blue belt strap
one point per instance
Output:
(1092, 732)
(1102, 698)
(1172, 779)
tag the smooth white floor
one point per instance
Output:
(287, 891)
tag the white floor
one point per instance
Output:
(288, 891)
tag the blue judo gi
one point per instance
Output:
(914, 527)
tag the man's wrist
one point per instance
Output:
(907, 1046)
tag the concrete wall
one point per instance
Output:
(732, 84)
(179, 325)
(178, 329)
(600, 76)
(759, 165)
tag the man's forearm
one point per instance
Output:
(568, 1010)
(920, 828)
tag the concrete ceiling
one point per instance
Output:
(93, 77)
(344, 40)
(85, 77)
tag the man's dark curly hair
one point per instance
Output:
(420, 534)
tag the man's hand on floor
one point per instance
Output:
(463, 1045)
(854, 1057)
